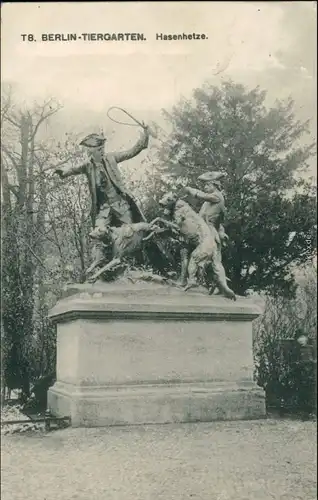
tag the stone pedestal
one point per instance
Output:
(149, 353)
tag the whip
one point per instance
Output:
(136, 124)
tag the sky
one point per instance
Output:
(271, 44)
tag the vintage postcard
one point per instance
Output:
(158, 237)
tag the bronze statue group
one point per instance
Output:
(119, 228)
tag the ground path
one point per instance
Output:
(259, 460)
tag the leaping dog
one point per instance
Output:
(199, 237)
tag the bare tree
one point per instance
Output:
(19, 171)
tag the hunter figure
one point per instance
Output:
(112, 204)
(213, 208)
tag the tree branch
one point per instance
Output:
(34, 254)
(43, 116)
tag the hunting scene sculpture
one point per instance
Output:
(123, 237)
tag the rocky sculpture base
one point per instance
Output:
(147, 353)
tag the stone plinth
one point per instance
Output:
(137, 354)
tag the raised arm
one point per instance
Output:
(202, 195)
(69, 170)
(141, 144)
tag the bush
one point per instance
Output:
(38, 401)
(285, 343)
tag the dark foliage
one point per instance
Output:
(261, 150)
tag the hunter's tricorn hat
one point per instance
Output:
(93, 141)
(212, 176)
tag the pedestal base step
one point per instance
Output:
(156, 404)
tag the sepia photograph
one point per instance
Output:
(159, 250)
